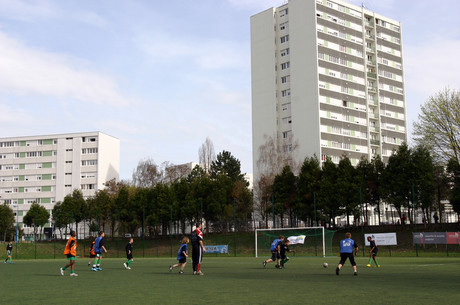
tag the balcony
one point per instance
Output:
(375, 142)
(372, 75)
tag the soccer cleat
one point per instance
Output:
(11, 262)
(98, 269)
(378, 266)
(368, 265)
(355, 273)
(124, 265)
(337, 270)
(181, 272)
(73, 274)
(62, 271)
(129, 268)
(4, 262)
(194, 272)
(264, 263)
(199, 273)
(89, 264)
(170, 268)
(93, 269)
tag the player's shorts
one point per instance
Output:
(92, 255)
(8, 252)
(344, 256)
(70, 257)
(129, 256)
(374, 252)
(275, 256)
(98, 255)
(182, 260)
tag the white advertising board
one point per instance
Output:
(382, 239)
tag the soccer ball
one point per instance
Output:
(325, 265)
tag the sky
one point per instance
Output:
(162, 76)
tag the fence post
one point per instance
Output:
(143, 232)
(234, 225)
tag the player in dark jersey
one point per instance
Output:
(129, 253)
(9, 253)
(372, 252)
(275, 249)
(283, 250)
(347, 246)
(181, 256)
(197, 250)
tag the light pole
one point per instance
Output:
(17, 224)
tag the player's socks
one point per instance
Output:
(376, 262)
(370, 261)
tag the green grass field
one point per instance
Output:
(233, 280)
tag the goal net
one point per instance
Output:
(317, 241)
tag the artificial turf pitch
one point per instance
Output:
(233, 280)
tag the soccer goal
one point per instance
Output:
(317, 241)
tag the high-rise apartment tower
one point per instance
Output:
(328, 77)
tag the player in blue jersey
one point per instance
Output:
(98, 248)
(347, 246)
(275, 249)
(181, 256)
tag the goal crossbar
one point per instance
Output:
(285, 229)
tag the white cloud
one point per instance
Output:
(29, 71)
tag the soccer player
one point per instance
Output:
(181, 256)
(275, 248)
(346, 251)
(9, 252)
(71, 252)
(92, 254)
(197, 249)
(372, 252)
(283, 250)
(129, 253)
(98, 248)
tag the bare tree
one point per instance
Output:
(147, 174)
(273, 157)
(175, 172)
(438, 125)
(206, 154)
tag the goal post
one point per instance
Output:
(318, 240)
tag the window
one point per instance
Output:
(333, 59)
(343, 61)
(283, 26)
(284, 39)
(287, 120)
(285, 79)
(286, 92)
(344, 89)
(285, 65)
(286, 134)
(284, 52)
(88, 162)
(286, 107)
(343, 48)
(284, 12)
(345, 104)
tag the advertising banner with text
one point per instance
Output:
(382, 239)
